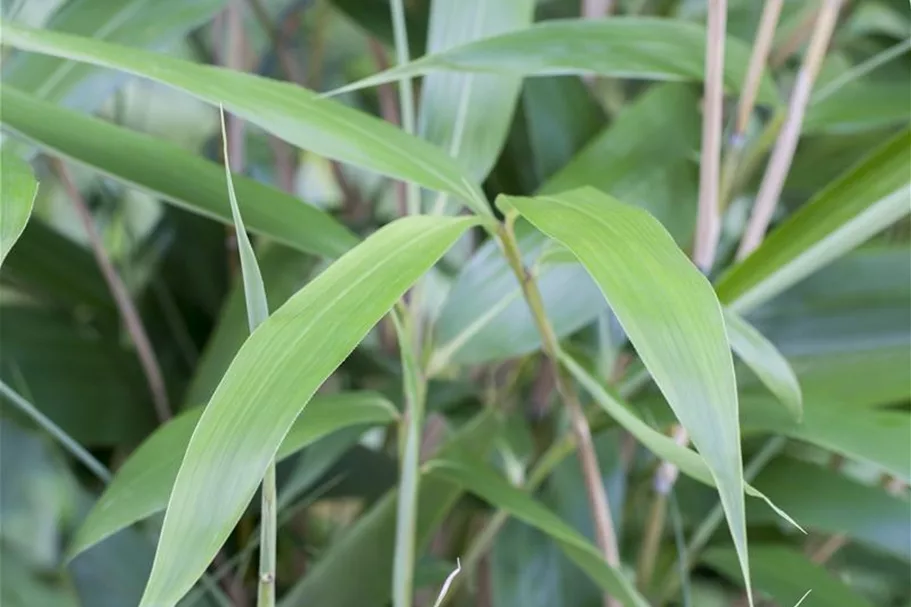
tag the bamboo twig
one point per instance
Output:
(708, 222)
(762, 45)
(783, 153)
(604, 527)
(406, 96)
(125, 306)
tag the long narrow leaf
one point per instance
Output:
(865, 200)
(288, 111)
(18, 189)
(272, 378)
(142, 484)
(766, 362)
(623, 47)
(672, 317)
(165, 170)
(477, 478)
(470, 114)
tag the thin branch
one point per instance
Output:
(762, 45)
(783, 153)
(708, 222)
(389, 110)
(597, 496)
(125, 305)
(48, 425)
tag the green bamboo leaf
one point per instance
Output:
(143, 483)
(641, 158)
(270, 381)
(163, 169)
(477, 478)
(688, 461)
(672, 317)
(866, 199)
(860, 106)
(828, 501)
(785, 575)
(138, 23)
(288, 111)
(766, 362)
(368, 546)
(18, 189)
(622, 47)
(469, 115)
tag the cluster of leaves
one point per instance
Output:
(409, 400)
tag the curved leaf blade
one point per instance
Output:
(142, 485)
(18, 189)
(672, 317)
(290, 112)
(769, 365)
(269, 382)
(162, 169)
(622, 47)
(477, 478)
(866, 199)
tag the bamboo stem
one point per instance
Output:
(783, 153)
(122, 298)
(604, 527)
(762, 46)
(267, 543)
(406, 95)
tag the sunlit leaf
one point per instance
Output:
(866, 199)
(272, 378)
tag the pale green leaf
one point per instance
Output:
(139, 23)
(18, 189)
(765, 361)
(477, 478)
(670, 314)
(143, 483)
(858, 107)
(469, 115)
(866, 199)
(269, 382)
(288, 111)
(621, 47)
(784, 575)
(163, 169)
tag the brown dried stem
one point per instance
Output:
(125, 306)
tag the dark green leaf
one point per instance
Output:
(18, 189)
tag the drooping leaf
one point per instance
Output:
(474, 111)
(288, 111)
(368, 546)
(765, 361)
(671, 315)
(622, 47)
(270, 381)
(142, 485)
(688, 461)
(641, 158)
(164, 169)
(866, 199)
(18, 189)
(477, 478)
(136, 23)
(785, 575)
